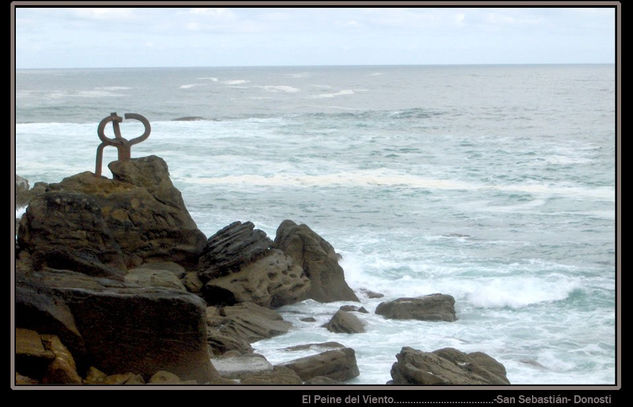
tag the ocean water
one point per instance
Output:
(494, 184)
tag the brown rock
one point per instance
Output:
(234, 327)
(135, 329)
(318, 260)
(164, 377)
(146, 277)
(31, 358)
(100, 226)
(278, 375)
(24, 380)
(271, 281)
(345, 322)
(62, 370)
(192, 282)
(124, 379)
(434, 307)
(94, 376)
(232, 247)
(339, 365)
(446, 366)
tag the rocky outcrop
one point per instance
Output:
(434, 307)
(24, 193)
(128, 328)
(235, 327)
(271, 281)
(318, 260)
(232, 247)
(446, 366)
(345, 322)
(239, 265)
(337, 364)
(102, 226)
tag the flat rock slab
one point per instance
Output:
(235, 367)
(434, 307)
(446, 366)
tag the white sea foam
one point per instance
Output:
(279, 88)
(379, 178)
(235, 81)
(188, 86)
(343, 92)
(209, 78)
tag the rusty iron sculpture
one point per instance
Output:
(123, 145)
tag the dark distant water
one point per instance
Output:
(495, 184)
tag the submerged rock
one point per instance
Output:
(446, 366)
(100, 226)
(318, 260)
(434, 307)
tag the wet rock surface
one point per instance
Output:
(446, 366)
(434, 307)
(318, 260)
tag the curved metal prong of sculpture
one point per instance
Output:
(123, 145)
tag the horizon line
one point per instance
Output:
(314, 66)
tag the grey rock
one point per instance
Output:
(230, 248)
(446, 366)
(271, 281)
(318, 260)
(237, 366)
(434, 307)
(235, 327)
(338, 364)
(345, 322)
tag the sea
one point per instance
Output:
(495, 184)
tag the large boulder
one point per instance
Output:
(338, 364)
(446, 366)
(39, 308)
(103, 226)
(235, 327)
(271, 281)
(130, 328)
(434, 307)
(318, 260)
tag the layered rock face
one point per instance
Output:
(128, 328)
(318, 260)
(78, 277)
(239, 265)
(100, 226)
(446, 366)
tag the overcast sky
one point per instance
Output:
(152, 37)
